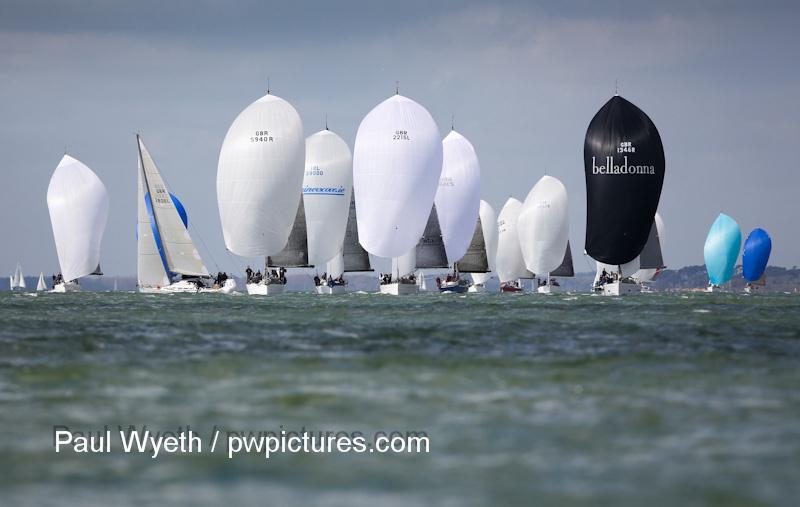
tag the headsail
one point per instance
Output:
(397, 160)
(295, 254)
(355, 257)
(78, 205)
(624, 167)
(458, 195)
(475, 259)
(260, 176)
(40, 285)
(430, 252)
(755, 255)
(172, 239)
(721, 249)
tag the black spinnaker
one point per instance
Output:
(624, 165)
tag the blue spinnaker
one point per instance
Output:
(755, 256)
(722, 249)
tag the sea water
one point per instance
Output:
(572, 399)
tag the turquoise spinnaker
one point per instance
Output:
(722, 249)
(755, 256)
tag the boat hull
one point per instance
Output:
(399, 289)
(510, 288)
(262, 289)
(453, 289)
(64, 287)
(620, 289)
(548, 289)
(187, 287)
(330, 289)
(477, 288)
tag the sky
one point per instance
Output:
(720, 80)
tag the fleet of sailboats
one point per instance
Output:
(403, 194)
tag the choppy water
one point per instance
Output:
(657, 399)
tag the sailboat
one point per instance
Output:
(430, 252)
(397, 160)
(510, 263)
(458, 202)
(293, 255)
(352, 258)
(487, 222)
(327, 197)
(755, 257)
(40, 285)
(624, 167)
(721, 250)
(78, 205)
(17, 280)
(651, 260)
(167, 258)
(259, 184)
(543, 228)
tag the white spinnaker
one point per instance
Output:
(543, 225)
(150, 270)
(260, 177)
(179, 249)
(489, 228)
(327, 188)
(397, 160)
(458, 195)
(78, 204)
(509, 261)
(647, 275)
(336, 265)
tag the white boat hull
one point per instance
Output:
(66, 287)
(187, 287)
(548, 289)
(330, 289)
(620, 289)
(477, 288)
(263, 289)
(399, 289)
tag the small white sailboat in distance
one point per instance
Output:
(17, 280)
(78, 203)
(511, 267)
(41, 285)
(259, 184)
(168, 261)
(543, 228)
(397, 161)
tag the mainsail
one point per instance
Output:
(510, 263)
(397, 160)
(721, 249)
(40, 285)
(78, 205)
(475, 259)
(295, 253)
(543, 225)
(260, 176)
(167, 236)
(430, 251)
(488, 220)
(327, 191)
(565, 268)
(355, 258)
(651, 260)
(624, 166)
(458, 195)
(755, 255)
(18, 280)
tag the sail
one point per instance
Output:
(295, 254)
(397, 160)
(721, 249)
(458, 195)
(335, 266)
(40, 285)
(543, 225)
(510, 263)
(355, 257)
(151, 267)
(565, 268)
(327, 189)
(624, 166)
(475, 259)
(78, 205)
(169, 232)
(651, 259)
(755, 255)
(489, 224)
(404, 265)
(260, 176)
(19, 278)
(430, 248)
